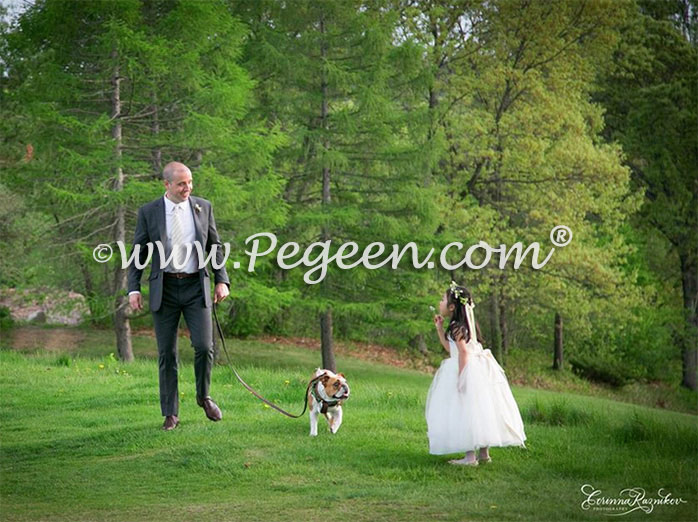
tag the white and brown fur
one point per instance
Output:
(330, 387)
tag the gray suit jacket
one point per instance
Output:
(151, 226)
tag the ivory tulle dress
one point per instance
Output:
(474, 411)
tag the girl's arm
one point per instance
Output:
(439, 323)
(462, 355)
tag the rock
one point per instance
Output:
(45, 305)
(65, 308)
(37, 316)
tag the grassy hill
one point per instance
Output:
(81, 440)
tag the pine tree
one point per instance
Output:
(110, 89)
(329, 72)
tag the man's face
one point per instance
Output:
(180, 187)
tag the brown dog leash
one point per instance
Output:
(249, 388)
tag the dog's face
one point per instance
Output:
(326, 393)
(335, 385)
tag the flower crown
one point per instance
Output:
(453, 287)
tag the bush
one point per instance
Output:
(252, 309)
(599, 369)
(639, 349)
(6, 321)
(646, 344)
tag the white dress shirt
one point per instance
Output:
(187, 220)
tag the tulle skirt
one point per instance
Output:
(475, 411)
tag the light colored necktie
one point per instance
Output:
(178, 247)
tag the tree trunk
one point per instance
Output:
(419, 344)
(557, 344)
(503, 314)
(504, 326)
(328, 361)
(495, 327)
(326, 317)
(122, 325)
(156, 153)
(689, 341)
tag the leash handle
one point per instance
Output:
(252, 390)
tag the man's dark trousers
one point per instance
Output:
(182, 296)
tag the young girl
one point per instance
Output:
(469, 404)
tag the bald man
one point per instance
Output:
(175, 291)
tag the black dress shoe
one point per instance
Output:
(171, 422)
(212, 410)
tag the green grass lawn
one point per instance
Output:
(80, 439)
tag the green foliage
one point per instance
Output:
(255, 308)
(647, 343)
(650, 91)
(431, 122)
(511, 97)
(6, 322)
(372, 144)
(183, 96)
(601, 369)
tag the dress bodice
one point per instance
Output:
(471, 346)
(475, 349)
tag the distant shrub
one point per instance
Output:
(599, 369)
(254, 309)
(6, 321)
(637, 349)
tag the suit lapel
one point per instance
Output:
(198, 234)
(162, 223)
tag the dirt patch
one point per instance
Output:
(364, 351)
(28, 338)
(150, 332)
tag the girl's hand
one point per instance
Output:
(439, 322)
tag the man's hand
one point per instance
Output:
(136, 301)
(220, 292)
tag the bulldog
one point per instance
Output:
(327, 392)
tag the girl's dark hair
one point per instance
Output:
(458, 326)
